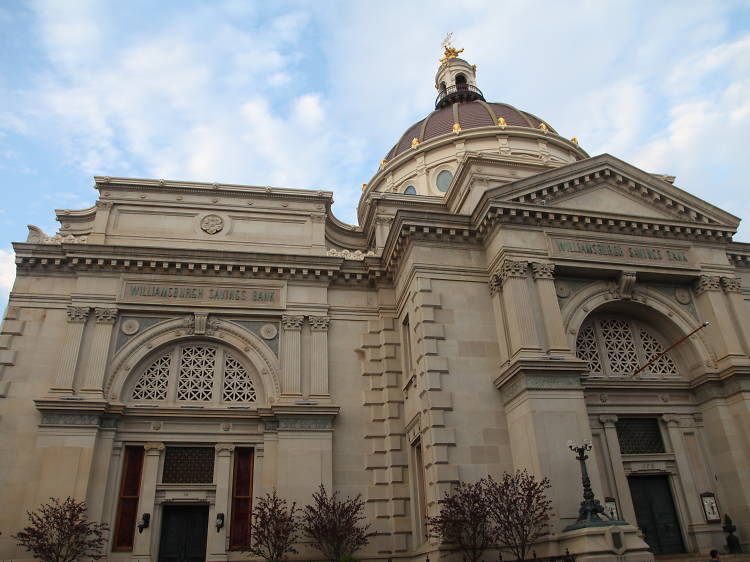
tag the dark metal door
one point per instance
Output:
(656, 515)
(183, 534)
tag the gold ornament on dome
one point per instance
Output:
(414, 142)
(449, 51)
(574, 140)
(543, 127)
(383, 162)
(501, 122)
(456, 128)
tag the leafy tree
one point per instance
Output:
(520, 510)
(61, 532)
(335, 525)
(465, 519)
(273, 528)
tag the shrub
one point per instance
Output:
(335, 525)
(273, 528)
(61, 532)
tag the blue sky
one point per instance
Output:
(313, 94)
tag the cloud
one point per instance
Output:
(298, 96)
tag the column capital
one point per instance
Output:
(507, 269)
(707, 283)
(224, 449)
(608, 419)
(105, 315)
(319, 323)
(731, 284)
(541, 270)
(292, 322)
(77, 314)
(153, 448)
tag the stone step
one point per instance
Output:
(693, 557)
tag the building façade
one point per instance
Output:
(180, 348)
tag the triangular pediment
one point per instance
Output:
(604, 184)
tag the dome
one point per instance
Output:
(468, 115)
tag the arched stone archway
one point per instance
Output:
(252, 348)
(651, 306)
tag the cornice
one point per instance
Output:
(502, 212)
(224, 189)
(75, 258)
(738, 254)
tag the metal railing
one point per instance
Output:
(459, 92)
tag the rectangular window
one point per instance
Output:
(406, 346)
(639, 436)
(127, 503)
(419, 493)
(242, 494)
(188, 465)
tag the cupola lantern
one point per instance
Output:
(455, 80)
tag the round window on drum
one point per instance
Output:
(410, 190)
(444, 180)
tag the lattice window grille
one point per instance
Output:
(664, 366)
(153, 382)
(195, 379)
(587, 349)
(639, 436)
(188, 465)
(238, 386)
(620, 347)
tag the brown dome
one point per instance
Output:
(470, 115)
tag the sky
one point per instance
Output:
(313, 94)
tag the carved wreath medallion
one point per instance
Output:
(212, 224)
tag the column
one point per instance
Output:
(143, 541)
(291, 384)
(513, 276)
(624, 500)
(733, 288)
(543, 274)
(319, 356)
(77, 316)
(217, 540)
(97, 365)
(689, 491)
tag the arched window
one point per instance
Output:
(195, 372)
(410, 190)
(460, 82)
(618, 347)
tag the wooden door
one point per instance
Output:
(183, 534)
(656, 514)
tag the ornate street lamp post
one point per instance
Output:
(590, 510)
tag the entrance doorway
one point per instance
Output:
(655, 513)
(183, 533)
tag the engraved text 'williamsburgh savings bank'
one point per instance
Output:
(160, 292)
(668, 255)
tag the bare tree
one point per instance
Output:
(273, 528)
(335, 526)
(520, 510)
(465, 519)
(61, 532)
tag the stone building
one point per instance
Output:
(180, 348)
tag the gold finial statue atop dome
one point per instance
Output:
(449, 51)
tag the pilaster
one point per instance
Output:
(554, 330)
(713, 306)
(217, 539)
(142, 545)
(77, 316)
(97, 363)
(319, 357)
(291, 385)
(511, 278)
(624, 499)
